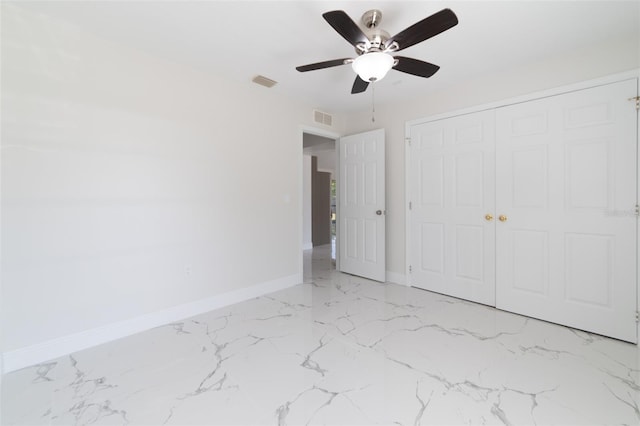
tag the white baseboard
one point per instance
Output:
(394, 277)
(51, 349)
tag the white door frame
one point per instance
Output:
(318, 132)
(638, 203)
(506, 102)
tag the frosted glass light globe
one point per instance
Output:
(372, 66)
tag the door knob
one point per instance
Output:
(502, 218)
(379, 212)
(488, 217)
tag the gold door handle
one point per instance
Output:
(488, 217)
(502, 218)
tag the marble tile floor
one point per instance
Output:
(338, 350)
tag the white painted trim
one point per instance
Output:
(396, 278)
(307, 246)
(638, 203)
(41, 352)
(338, 210)
(614, 78)
(319, 132)
(408, 189)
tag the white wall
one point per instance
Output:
(326, 161)
(307, 243)
(599, 60)
(131, 185)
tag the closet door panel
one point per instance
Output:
(452, 190)
(566, 188)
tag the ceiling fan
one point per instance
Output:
(376, 49)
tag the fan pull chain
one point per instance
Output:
(373, 103)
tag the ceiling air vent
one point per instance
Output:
(264, 81)
(322, 118)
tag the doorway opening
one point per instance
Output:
(319, 190)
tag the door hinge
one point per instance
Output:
(410, 205)
(637, 100)
(637, 317)
(637, 210)
(411, 270)
(408, 141)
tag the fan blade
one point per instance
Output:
(425, 29)
(415, 67)
(359, 85)
(345, 26)
(321, 65)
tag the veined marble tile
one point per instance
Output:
(337, 350)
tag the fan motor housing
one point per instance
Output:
(377, 37)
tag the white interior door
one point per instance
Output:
(566, 186)
(452, 207)
(361, 205)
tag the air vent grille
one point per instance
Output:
(264, 81)
(322, 118)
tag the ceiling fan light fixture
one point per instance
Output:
(373, 66)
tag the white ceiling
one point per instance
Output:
(240, 39)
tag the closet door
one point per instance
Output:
(566, 196)
(452, 206)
